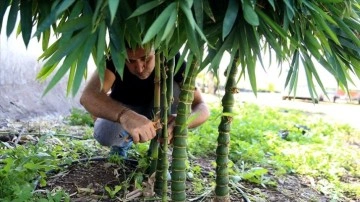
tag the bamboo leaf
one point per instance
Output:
(187, 11)
(68, 47)
(192, 39)
(208, 10)
(71, 78)
(199, 12)
(82, 63)
(46, 71)
(49, 51)
(345, 28)
(45, 39)
(12, 17)
(4, 4)
(159, 22)
(101, 43)
(169, 25)
(74, 24)
(290, 9)
(26, 20)
(118, 59)
(65, 4)
(249, 14)
(46, 23)
(330, 1)
(352, 23)
(146, 7)
(113, 6)
(230, 17)
(272, 4)
(69, 60)
(272, 24)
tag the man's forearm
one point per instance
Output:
(199, 115)
(103, 106)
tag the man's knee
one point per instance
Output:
(106, 132)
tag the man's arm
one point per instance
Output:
(199, 114)
(199, 110)
(98, 103)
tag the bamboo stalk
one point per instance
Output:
(154, 145)
(178, 175)
(222, 151)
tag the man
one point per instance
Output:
(127, 110)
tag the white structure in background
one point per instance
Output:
(20, 92)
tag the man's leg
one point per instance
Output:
(111, 134)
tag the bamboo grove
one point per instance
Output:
(299, 32)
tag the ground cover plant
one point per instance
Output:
(299, 32)
(275, 155)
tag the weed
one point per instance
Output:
(80, 117)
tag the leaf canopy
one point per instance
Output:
(326, 31)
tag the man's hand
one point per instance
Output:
(140, 128)
(170, 129)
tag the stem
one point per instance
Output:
(154, 145)
(178, 176)
(222, 151)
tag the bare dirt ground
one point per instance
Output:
(86, 182)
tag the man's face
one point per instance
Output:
(141, 62)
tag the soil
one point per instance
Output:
(86, 180)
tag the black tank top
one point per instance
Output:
(134, 91)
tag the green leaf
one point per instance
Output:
(208, 10)
(272, 24)
(82, 62)
(199, 12)
(249, 14)
(330, 1)
(101, 43)
(4, 4)
(46, 23)
(49, 51)
(146, 7)
(169, 25)
(159, 22)
(187, 11)
(46, 71)
(345, 28)
(68, 62)
(65, 4)
(45, 39)
(113, 6)
(68, 47)
(290, 9)
(193, 42)
(230, 17)
(272, 4)
(26, 20)
(118, 59)
(322, 24)
(12, 17)
(71, 78)
(74, 24)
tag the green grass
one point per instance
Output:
(326, 153)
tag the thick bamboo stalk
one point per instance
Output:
(222, 151)
(178, 175)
